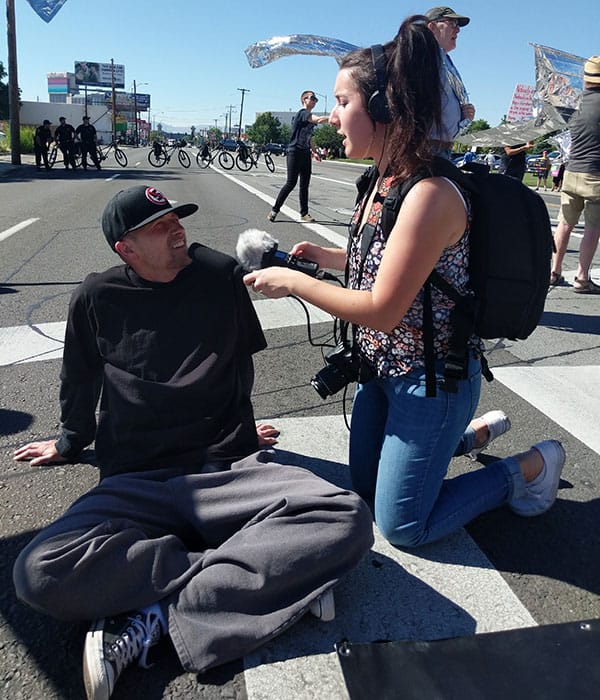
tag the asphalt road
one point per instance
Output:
(520, 572)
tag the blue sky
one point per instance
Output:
(191, 54)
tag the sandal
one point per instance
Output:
(585, 287)
(556, 279)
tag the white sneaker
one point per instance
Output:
(498, 423)
(540, 493)
(324, 607)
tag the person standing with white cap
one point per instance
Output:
(457, 111)
(581, 184)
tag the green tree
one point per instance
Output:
(3, 93)
(214, 134)
(286, 134)
(326, 136)
(477, 125)
(266, 129)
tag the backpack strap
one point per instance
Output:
(462, 317)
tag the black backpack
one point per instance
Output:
(510, 260)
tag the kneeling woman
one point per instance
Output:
(401, 442)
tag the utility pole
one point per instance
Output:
(243, 91)
(114, 101)
(229, 107)
(137, 143)
(13, 85)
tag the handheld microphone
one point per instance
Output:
(257, 249)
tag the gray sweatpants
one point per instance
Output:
(234, 557)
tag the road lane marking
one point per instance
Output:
(20, 344)
(323, 231)
(16, 228)
(445, 589)
(44, 341)
(567, 395)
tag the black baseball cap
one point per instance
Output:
(47, 121)
(436, 13)
(135, 207)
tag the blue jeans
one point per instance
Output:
(401, 443)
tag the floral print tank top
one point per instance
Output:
(397, 353)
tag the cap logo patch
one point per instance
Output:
(156, 197)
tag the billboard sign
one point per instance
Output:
(99, 74)
(126, 101)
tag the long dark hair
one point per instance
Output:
(413, 65)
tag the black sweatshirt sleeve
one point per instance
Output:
(81, 377)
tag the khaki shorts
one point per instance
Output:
(580, 193)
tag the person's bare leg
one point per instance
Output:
(531, 463)
(561, 241)
(587, 250)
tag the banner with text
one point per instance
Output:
(521, 107)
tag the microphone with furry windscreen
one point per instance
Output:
(257, 249)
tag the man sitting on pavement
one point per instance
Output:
(192, 531)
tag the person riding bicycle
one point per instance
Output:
(157, 148)
(243, 149)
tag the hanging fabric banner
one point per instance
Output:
(46, 9)
(558, 80)
(264, 52)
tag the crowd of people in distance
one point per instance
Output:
(71, 141)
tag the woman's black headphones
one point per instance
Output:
(377, 106)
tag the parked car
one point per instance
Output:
(228, 144)
(482, 158)
(275, 149)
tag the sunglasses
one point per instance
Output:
(452, 22)
(312, 97)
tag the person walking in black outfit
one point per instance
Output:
(193, 530)
(41, 142)
(86, 133)
(514, 160)
(299, 164)
(65, 137)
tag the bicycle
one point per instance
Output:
(205, 157)
(52, 154)
(245, 159)
(160, 154)
(120, 156)
(54, 151)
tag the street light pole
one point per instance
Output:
(135, 118)
(325, 97)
